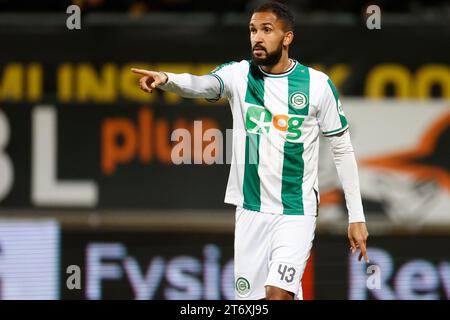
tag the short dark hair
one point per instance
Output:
(281, 11)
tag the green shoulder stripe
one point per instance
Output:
(342, 117)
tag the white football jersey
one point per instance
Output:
(276, 123)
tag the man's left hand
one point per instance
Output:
(357, 235)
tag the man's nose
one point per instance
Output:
(258, 37)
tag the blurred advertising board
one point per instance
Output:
(122, 157)
(403, 153)
(38, 263)
(185, 265)
(402, 267)
(29, 260)
(150, 265)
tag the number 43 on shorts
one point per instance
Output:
(287, 274)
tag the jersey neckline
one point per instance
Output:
(279, 75)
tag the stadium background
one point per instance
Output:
(86, 177)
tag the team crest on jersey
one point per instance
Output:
(242, 287)
(298, 100)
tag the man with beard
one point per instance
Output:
(279, 106)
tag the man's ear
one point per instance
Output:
(288, 38)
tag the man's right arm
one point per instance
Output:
(185, 85)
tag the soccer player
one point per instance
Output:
(279, 107)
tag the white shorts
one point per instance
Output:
(270, 250)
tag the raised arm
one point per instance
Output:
(185, 85)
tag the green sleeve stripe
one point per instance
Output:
(332, 132)
(335, 93)
(222, 86)
(342, 118)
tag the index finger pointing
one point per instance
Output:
(140, 71)
(362, 246)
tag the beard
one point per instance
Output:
(271, 58)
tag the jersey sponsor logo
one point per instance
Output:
(299, 100)
(242, 287)
(260, 120)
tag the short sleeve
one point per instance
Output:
(223, 74)
(330, 114)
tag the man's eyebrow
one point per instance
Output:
(264, 23)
